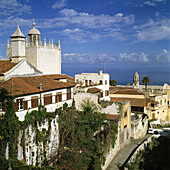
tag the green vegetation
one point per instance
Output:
(85, 136)
(146, 81)
(113, 82)
(104, 103)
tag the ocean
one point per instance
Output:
(123, 75)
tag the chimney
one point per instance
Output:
(100, 73)
(40, 86)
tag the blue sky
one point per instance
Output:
(117, 32)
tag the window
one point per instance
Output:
(86, 83)
(165, 101)
(47, 99)
(125, 114)
(58, 97)
(101, 94)
(100, 82)
(105, 82)
(107, 93)
(68, 93)
(160, 102)
(20, 104)
(34, 101)
(89, 82)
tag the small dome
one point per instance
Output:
(34, 31)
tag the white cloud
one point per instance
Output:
(13, 7)
(94, 21)
(2, 57)
(159, 57)
(59, 4)
(75, 34)
(153, 30)
(165, 51)
(149, 3)
(68, 12)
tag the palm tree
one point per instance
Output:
(146, 81)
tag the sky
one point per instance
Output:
(115, 32)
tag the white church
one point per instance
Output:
(45, 57)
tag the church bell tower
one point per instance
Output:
(136, 79)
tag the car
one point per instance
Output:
(154, 131)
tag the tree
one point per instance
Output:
(113, 82)
(146, 81)
(85, 137)
(3, 96)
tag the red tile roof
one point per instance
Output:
(6, 65)
(112, 117)
(29, 85)
(124, 90)
(93, 90)
(134, 102)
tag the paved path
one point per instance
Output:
(124, 153)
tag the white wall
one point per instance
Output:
(50, 108)
(21, 69)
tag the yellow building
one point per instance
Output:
(123, 116)
(157, 107)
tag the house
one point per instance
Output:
(137, 99)
(52, 91)
(96, 83)
(157, 107)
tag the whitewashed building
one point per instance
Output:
(45, 57)
(94, 83)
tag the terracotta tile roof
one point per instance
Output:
(6, 65)
(148, 100)
(124, 90)
(112, 117)
(93, 90)
(29, 85)
(134, 102)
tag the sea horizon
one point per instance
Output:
(122, 74)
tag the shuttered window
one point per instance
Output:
(21, 105)
(68, 93)
(58, 97)
(47, 99)
(34, 101)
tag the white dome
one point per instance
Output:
(34, 31)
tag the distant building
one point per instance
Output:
(136, 80)
(96, 83)
(137, 99)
